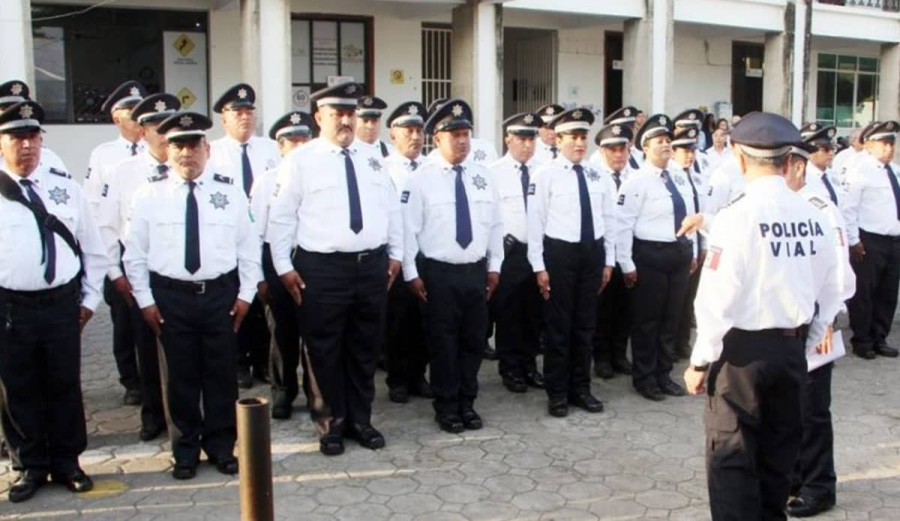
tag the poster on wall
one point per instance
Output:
(300, 98)
(186, 73)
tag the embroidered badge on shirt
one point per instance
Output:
(374, 164)
(218, 200)
(531, 189)
(404, 197)
(271, 163)
(593, 175)
(480, 155)
(59, 196)
(678, 180)
(479, 182)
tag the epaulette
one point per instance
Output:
(736, 199)
(56, 171)
(222, 179)
(162, 176)
(818, 203)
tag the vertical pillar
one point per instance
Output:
(251, 65)
(888, 79)
(648, 58)
(800, 63)
(778, 67)
(477, 64)
(15, 40)
(274, 60)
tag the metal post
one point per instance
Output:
(255, 459)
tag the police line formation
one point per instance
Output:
(217, 257)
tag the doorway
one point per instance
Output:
(746, 77)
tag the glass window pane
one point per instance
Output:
(847, 63)
(825, 86)
(865, 99)
(300, 65)
(844, 108)
(827, 61)
(353, 50)
(50, 72)
(868, 64)
(325, 51)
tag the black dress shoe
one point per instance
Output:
(865, 354)
(366, 435)
(802, 506)
(331, 444)
(603, 369)
(450, 423)
(225, 464)
(471, 420)
(588, 402)
(184, 471)
(514, 384)
(558, 407)
(75, 481)
(489, 352)
(670, 388)
(534, 379)
(149, 433)
(244, 378)
(621, 365)
(398, 394)
(282, 408)
(886, 351)
(421, 388)
(26, 485)
(132, 397)
(651, 392)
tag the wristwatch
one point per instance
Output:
(700, 368)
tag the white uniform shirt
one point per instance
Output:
(114, 213)
(714, 158)
(21, 250)
(261, 200)
(225, 157)
(554, 209)
(155, 238)
(725, 185)
(310, 206)
(771, 260)
(543, 153)
(842, 160)
(645, 210)
(400, 168)
(429, 217)
(814, 182)
(637, 156)
(870, 200)
(103, 157)
(507, 173)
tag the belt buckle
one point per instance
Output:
(201, 288)
(361, 255)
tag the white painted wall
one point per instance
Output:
(580, 67)
(702, 71)
(855, 22)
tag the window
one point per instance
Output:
(80, 57)
(327, 50)
(847, 90)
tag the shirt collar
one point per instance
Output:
(337, 149)
(150, 160)
(766, 184)
(35, 176)
(516, 164)
(236, 143)
(124, 143)
(204, 178)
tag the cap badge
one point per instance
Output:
(457, 110)
(890, 126)
(577, 114)
(350, 89)
(16, 89)
(368, 102)
(550, 111)
(692, 116)
(159, 106)
(616, 130)
(663, 120)
(692, 133)
(185, 121)
(413, 110)
(813, 126)
(26, 112)
(242, 93)
(134, 91)
(295, 119)
(528, 119)
(627, 112)
(831, 132)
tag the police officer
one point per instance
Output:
(693, 118)
(336, 203)
(726, 183)
(613, 317)
(873, 229)
(192, 257)
(684, 149)
(407, 353)
(103, 157)
(50, 276)
(114, 214)
(368, 123)
(516, 305)
(571, 238)
(16, 91)
(241, 155)
(290, 131)
(818, 172)
(452, 216)
(546, 150)
(625, 118)
(481, 152)
(656, 264)
(751, 346)
(814, 481)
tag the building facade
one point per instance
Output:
(834, 61)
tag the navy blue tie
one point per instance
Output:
(191, 231)
(134, 149)
(554, 151)
(246, 169)
(463, 219)
(48, 241)
(356, 220)
(617, 177)
(831, 193)
(687, 174)
(895, 187)
(678, 208)
(413, 165)
(696, 167)
(525, 182)
(584, 199)
(633, 162)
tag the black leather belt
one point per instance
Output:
(194, 287)
(456, 268)
(356, 256)
(44, 297)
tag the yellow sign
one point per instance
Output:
(104, 489)
(183, 45)
(186, 97)
(397, 77)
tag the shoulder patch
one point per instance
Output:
(404, 197)
(56, 171)
(158, 177)
(222, 179)
(818, 203)
(621, 200)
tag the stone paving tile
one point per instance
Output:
(637, 460)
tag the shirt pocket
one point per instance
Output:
(15, 225)
(564, 197)
(220, 226)
(482, 204)
(325, 190)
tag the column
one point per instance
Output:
(888, 79)
(779, 67)
(648, 73)
(477, 64)
(15, 40)
(274, 91)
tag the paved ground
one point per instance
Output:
(638, 460)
